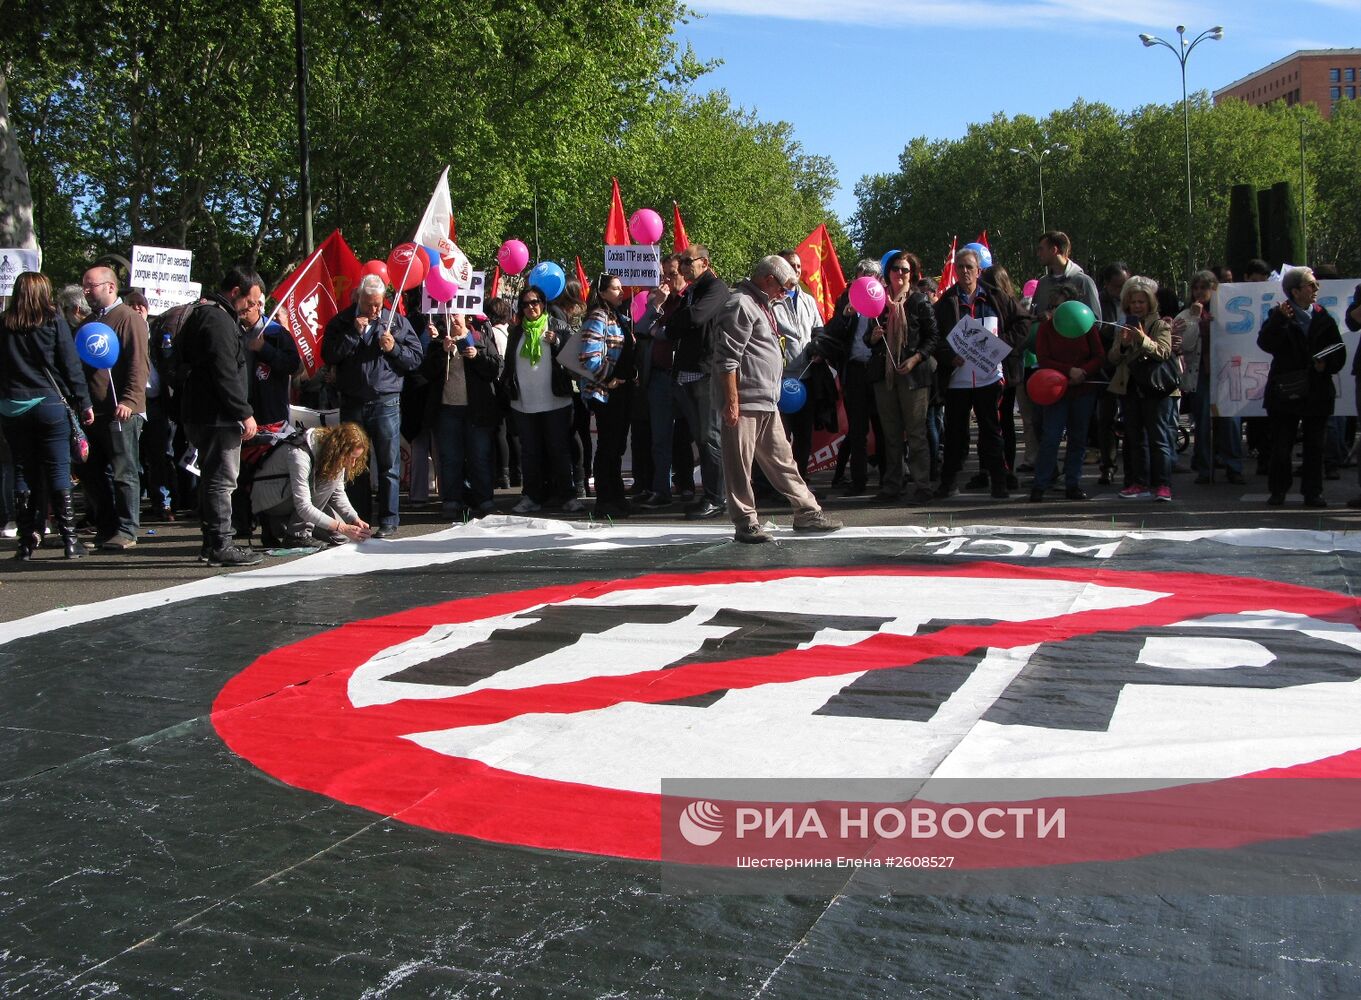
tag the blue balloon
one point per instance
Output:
(97, 344)
(548, 278)
(432, 255)
(984, 254)
(883, 261)
(793, 394)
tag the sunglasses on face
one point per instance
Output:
(531, 302)
(900, 269)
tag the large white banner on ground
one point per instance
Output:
(1238, 367)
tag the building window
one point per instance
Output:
(1350, 74)
(1335, 93)
(1334, 75)
(1351, 93)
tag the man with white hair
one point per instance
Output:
(373, 350)
(748, 366)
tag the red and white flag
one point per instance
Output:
(308, 305)
(436, 226)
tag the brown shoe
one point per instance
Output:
(818, 523)
(118, 543)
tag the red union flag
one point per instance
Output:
(309, 304)
(821, 270)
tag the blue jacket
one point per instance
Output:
(363, 372)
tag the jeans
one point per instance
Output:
(662, 413)
(1153, 417)
(113, 477)
(158, 459)
(219, 463)
(982, 400)
(546, 454)
(41, 449)
(382, 421)
(695, 404)
(465, 455)
(1073, 412)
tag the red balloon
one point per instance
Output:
(410, 260)
(375, 267)
(1046, 386)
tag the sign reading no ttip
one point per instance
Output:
(549, 717)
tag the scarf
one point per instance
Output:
(531, 348)
(895, 336)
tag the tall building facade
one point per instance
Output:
(1311, 76)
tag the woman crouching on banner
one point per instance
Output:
(607, 353)
(40, 377)
(299, 488)
(1077, 359)
(1144, 341)
(540, 394)
(463, 370)
(1306, 352)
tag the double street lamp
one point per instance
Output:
(1037, 157)
(1183, 52)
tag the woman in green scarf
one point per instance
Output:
(540, 395)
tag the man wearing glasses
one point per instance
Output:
(112, 475)
(693, 329)
(750, 366)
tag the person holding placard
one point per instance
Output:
(112, 479)
(40, 376)
(967, 388)
(1306, 352)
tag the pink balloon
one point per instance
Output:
(867, 296)
(441, 289)
(1030, 286)
(646, 226)
(639, 306)
(513, 256)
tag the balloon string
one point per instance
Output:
(392, 313)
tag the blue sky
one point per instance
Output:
(859, 79)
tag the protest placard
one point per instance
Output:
(468, 301)
(639, 266)
(981, 349)
(159, 267)
(14, 262)
(160, 299)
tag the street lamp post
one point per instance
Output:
(1037, 157)
(1183, 52)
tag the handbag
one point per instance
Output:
(1155, 377)
(80, 444)
(1292, 386)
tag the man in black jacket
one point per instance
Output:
(214, 407)
(691, 327)
(374, 350)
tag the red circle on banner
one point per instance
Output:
(290, 712)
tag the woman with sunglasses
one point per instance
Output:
(902, 344)
(607, 353)
(38, 370)
(540, 394)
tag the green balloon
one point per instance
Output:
(1073, 319)
(1030, 360)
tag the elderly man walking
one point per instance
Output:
(374, 351)
(749, 364)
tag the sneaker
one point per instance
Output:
(1106, 477)
(1164, 494)
(1075, 493)
(385, 531)
(233, 555)
(10, 530)
(301, 542)
(118, 543)
(945, 491)
(819, 523)
(752, 534)
(1134, 491)
(572, 505)
(528, 506)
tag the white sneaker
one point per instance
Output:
(525, 506)
(574, 506)
(10, 530)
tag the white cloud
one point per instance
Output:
(983, 13)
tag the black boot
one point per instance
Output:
(29, 538)
(66, 522)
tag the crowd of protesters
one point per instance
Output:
(194, 418)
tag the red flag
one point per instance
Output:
(680, 242)
(585, 285)
(616, 229)
(309, 303)
(341, 263)
(983, 239)
(822, 273)
(947, 272)
(495, 283)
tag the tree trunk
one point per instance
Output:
(16, 197)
